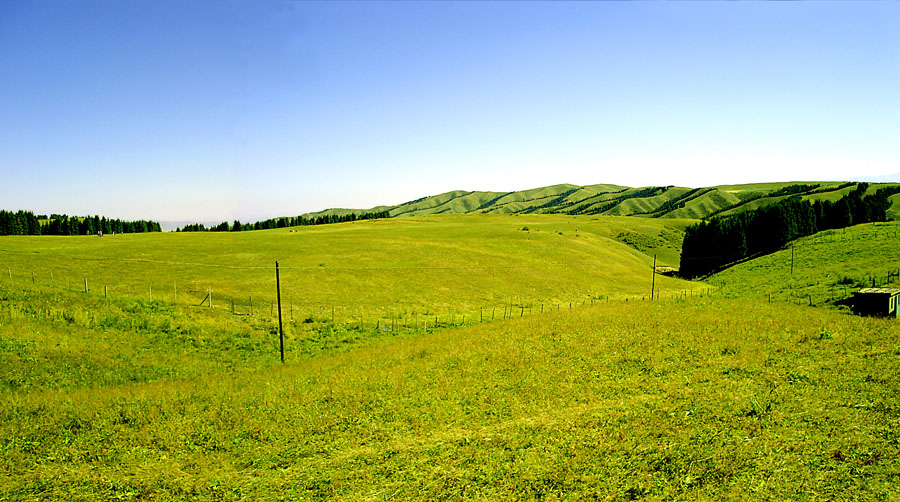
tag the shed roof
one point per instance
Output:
(879, 291)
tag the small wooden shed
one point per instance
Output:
(877, 301)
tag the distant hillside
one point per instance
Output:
(616, 200)
(819, 269)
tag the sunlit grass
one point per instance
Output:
(827, 267)
(707, 399)
(369, 270)
(703, 398)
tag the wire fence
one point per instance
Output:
(387, 317)
(396, 315)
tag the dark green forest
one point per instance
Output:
(297, 221)
(26, 223)
(714, 244)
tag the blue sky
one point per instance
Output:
(249, 110)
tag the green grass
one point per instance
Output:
(368, 269)
(726, 397)
(561, 199)
(712, 399)
(894, 212)
(640, 205)
(828, 267)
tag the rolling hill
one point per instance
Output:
(368, 269)
(821, 269)
(615, 200)
(107, 394)
(710, 399)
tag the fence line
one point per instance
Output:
(400, 319)
(348, 315)
(247, 305)
(514, 306)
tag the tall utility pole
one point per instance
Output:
(280, 329)
(653, 280)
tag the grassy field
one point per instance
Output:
(711, 399)
(438, 265)
(727, 397)
(827, 268)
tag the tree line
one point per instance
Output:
(284, 222)
(720, 241)
(27, 223)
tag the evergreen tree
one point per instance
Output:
(721, 241)
(6, 226)
(86, 227)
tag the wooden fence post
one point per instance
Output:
(280, 330)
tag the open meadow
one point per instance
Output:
(722, 397)
(369, 270)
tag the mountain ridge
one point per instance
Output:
(617, 200)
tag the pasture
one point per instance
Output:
(369, 270)
(713, 398)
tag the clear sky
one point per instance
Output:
(228, 109)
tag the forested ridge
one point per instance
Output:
(720, 241)
(27, 223)
(297, 221)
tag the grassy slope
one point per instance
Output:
(894, 212)
(560, 199)
(706, 204)
(707, 399)
(368, 269)
(714, 200)
(828, 265)
(640, 205)
(713, 399)
(831, 195)
(721, 200)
